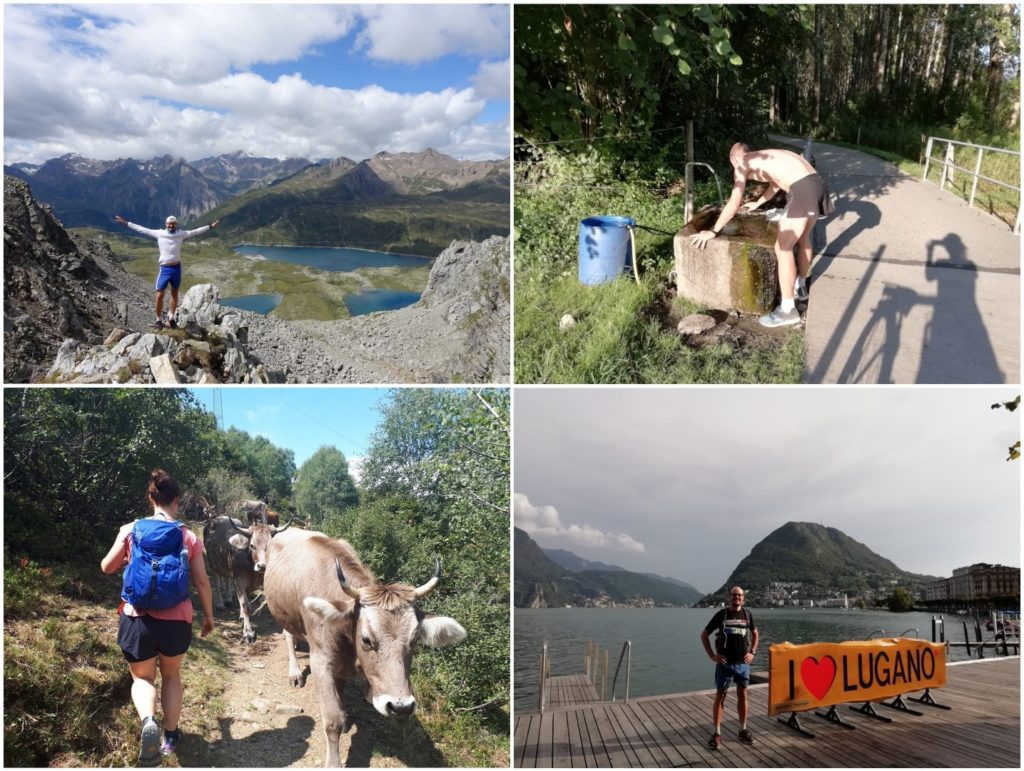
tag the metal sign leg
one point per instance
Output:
(928, 701)
(869, 711)
(901, 705)
(794, 723)
(833, 717)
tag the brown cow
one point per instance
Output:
(319, 591)
(238, 555)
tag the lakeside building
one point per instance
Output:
(979, 581)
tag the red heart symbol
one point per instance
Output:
(818, 675)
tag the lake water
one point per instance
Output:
(667, 655)
(258, 303)
(373, 300)
(335, 258)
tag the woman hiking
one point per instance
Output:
(160, 555)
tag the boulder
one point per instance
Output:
(696, 324)
(164, 372)
(201, 306)
(736, 270)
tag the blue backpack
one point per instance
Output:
(157, 574)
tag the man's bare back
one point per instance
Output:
(778, 167)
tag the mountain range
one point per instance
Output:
(414, 202)
(820, 558)
(557, 578)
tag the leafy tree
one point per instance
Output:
(900, 601)
(325, 488)
(448, 451)
(76, 461)
(1010, 406)
(271, 468)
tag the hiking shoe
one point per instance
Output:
(780, 318)
(157, 325)
(170, 744)
(173, 322)
(800, 293)
(149, 744)
(746, 737)
(715, 742)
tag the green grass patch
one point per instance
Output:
(624, 332)
(620, 336)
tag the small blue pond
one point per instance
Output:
(257, 303)
(373, 300)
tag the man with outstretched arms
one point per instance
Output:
(169, 242)
(807, 199)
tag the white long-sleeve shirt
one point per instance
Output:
(168, 243)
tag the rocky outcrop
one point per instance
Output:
(56, 287)
(74, 315)
(207, 347)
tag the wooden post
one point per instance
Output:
(604, 684)
(543, 675)
(858, 136)
(967, 640)
(688, 197)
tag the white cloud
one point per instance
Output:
(545, 520)
(143, 81)
(491, 80)
(355, 467)
(412, 34)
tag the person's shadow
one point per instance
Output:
(956, 346)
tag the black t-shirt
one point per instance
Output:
(734, 630)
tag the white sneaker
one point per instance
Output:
(780, 318)
(800, 293)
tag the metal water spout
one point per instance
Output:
(688, 197)
(808, 155)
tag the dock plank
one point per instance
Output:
(982, 728)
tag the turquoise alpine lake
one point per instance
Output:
(667, 656)
(373, 300)
(257, 303)
(335, 259)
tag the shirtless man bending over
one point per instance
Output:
(807, 199)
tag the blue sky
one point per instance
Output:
(303, 419)
(311, 81)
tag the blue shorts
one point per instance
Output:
(169, 274)
(726, 673)
(143, 637)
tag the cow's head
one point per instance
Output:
(257, 538)
(385, 625)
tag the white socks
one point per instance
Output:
(787, 305)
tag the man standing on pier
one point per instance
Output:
(735, 646)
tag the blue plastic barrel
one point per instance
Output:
(604, 248)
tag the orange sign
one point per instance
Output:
(803, 677)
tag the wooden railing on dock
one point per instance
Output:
(981, 729)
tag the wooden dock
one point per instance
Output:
(981, 730)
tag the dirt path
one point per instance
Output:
(266, 723)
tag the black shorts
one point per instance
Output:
(808, 197)
(143, 637)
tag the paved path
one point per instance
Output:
(908, 284)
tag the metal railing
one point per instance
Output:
(916, 632)
(627, 651)
(949, 165)
(543, 676)
(880, 632)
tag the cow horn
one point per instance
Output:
(246, 531)
(277, 530)
(428, 587)
(351, 591)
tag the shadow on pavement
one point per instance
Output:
(957, 347)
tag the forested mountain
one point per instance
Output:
(821, 558)
(541, 582)
(577, 564)
(406, 202)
